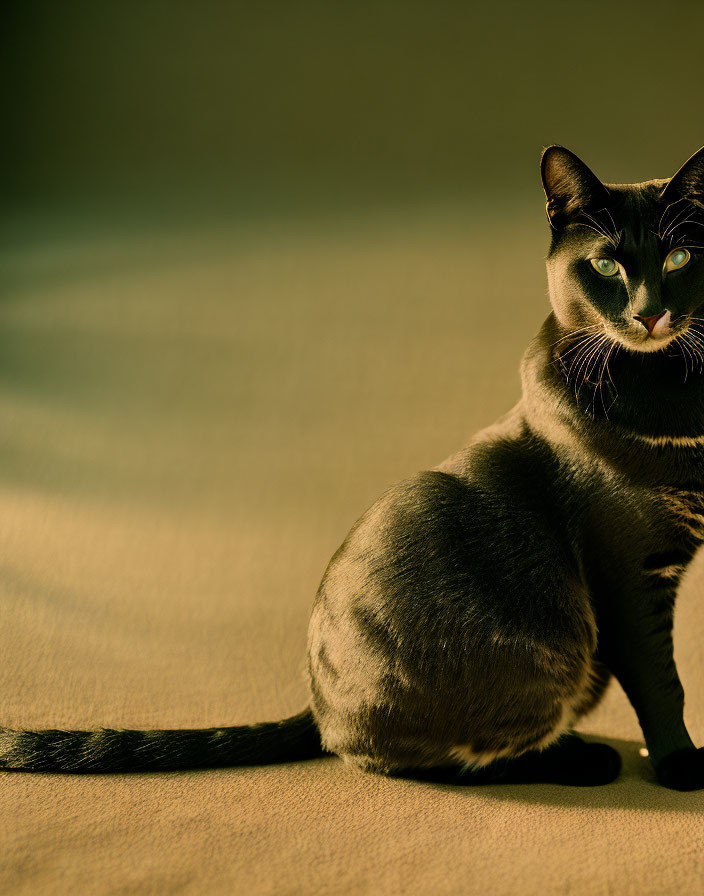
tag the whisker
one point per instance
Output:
(688, 221)
(599, 360)
(583, 347)
(696, 338)
(680, 344)
(613, 224)
(612, 386)
(666, 211)
(585, 364)
(601, 353)
(578, 346)
(595, 229)
(676, 219)
(591, 365)
(573, 333)
(695, 348)
(602, 229)
(676, 342)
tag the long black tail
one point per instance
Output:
(119, 750)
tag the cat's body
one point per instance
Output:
(429, 645)
(476, 611)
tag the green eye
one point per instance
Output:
(607, 267)
(678, 258)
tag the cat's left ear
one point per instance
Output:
(688, 183)
(569, 185)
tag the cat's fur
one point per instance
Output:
(477, 610)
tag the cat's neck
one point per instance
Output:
(644, 404)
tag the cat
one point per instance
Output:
(479, 609)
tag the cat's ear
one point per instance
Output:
(569, 185)
(688, 183)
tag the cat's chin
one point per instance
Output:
(645, 344)
(639, 342)
(648, 345)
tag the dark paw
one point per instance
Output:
(571, 761)
(589, 765)
(682, 770)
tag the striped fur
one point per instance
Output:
(115, 750)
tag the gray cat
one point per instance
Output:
(478, 610)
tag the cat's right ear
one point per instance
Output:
(688, 182)
(569, 185)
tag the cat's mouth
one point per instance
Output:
(656, 332)
(584, 353)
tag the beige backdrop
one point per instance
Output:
(181, 451)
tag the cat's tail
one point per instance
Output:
(120, 750)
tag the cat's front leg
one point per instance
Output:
(636, 642)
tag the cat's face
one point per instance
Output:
(626, 260)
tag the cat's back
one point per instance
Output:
(434, 540)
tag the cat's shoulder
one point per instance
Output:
(507, 446)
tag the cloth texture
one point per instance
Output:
(190, 425)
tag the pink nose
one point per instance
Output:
(649, 322)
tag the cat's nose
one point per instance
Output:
(650, 322)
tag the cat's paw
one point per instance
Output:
(682, 770)
(571, 761)
(585, 764)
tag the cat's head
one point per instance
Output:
(626, 260)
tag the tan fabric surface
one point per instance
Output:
(189, 428)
